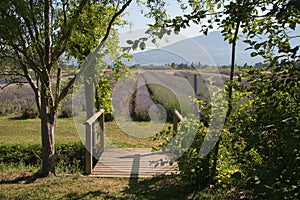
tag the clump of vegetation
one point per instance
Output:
(259, 150)
(142, 101)
(69, 157)
(265, 130)
(66, 108)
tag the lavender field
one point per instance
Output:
(132, 97)
(20, 101)
(171, 92)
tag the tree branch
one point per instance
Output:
(66, 33)
(91, 56)
(31, 83)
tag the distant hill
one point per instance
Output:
(210, 49)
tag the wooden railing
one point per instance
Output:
(177, 117)
(90, 140)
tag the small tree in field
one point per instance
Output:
(35, 34)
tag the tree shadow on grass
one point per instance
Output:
(20, 117)
(27, 179)
(157, 188)
(91, 194)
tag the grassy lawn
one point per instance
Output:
(16, 131)
(70, 187)
(17, 182)
(16, 179)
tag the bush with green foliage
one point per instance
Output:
(69, 157)
(265, 124)
(187, 142)
(259, 150)
(104, 88)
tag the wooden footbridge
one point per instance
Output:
(130, 162)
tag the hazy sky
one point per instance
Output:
(138, 21)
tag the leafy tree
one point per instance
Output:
(36, 34)
(265, 126)
(268, 27)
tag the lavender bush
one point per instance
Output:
(142, 102)
(122, 98)
(20, 101)
(66, 109)
(169, 91)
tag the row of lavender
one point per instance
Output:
(131, 99)
(142, 101)
(171, 92)
(20, 101)
(207, 80)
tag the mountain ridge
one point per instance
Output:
(210, 50)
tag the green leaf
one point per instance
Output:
(253, 54)
(257, 46)
(142, 45)
(129, 42)
(135, 44)
(153, 41)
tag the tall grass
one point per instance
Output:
(170, 91)
(205, 81)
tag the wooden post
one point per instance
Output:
(101, 123)
(88, 149)
(90, 106)
(195, 84)
(89, 124)
(196, 93)
(175, 121)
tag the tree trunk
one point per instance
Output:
(90, 105)
(48, 125)
(230, 89)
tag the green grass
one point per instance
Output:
(16, 131)
(133, 139)
(17, 182)
(20, 185)
(71, 187)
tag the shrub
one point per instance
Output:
(123, 99)
(142, 102)
(265, 125)
(66, 108)
(29, 111)
(66, 112)
(193, 169)
(18, 100)
(69, 157)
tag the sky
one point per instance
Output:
(138, 21)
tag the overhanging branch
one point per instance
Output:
(91, 56)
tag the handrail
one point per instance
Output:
(177, 117)
(93, 118)
(90, 138)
